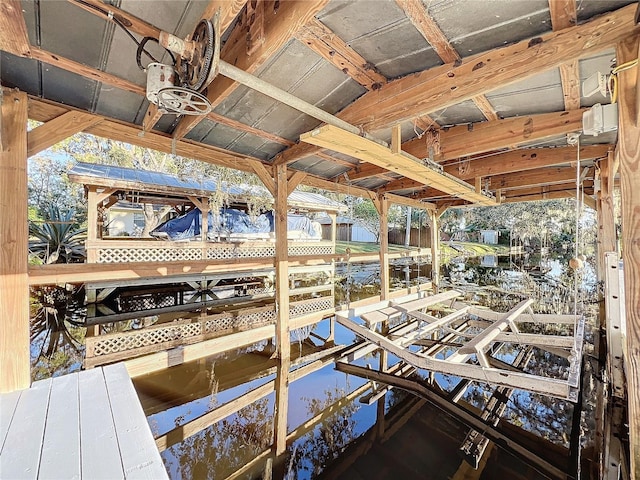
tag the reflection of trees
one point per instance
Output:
(227, 445)
(328, 439)
(56, 333)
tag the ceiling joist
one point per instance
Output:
(319, 38)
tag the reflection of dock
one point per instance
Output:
(83, 425)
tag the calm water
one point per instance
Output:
(328, 415)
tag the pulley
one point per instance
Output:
(179, 90)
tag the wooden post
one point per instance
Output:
(15, 371)
(435, 251)
(282, 264)
(205, 219)
(384, 247)
(334, 230)
(629, 155)
(282, 407)
(605, 212)
(92, 223)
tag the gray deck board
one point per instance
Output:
(8, 403)
(20, 456)
(84, 425)
(61, 449)
(140, 456)
(99, 444)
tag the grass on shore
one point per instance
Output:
(469, 249)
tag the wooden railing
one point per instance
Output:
(126, 251)
(112, 347)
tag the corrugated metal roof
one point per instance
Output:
(203, 186)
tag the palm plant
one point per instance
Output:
(59, 239)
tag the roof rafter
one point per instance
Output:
(564, 15)
(443, 86)
(13, 30)
(279, 27)
(429, 29)
(319, 38)
(431, 90)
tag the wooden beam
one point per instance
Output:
(441, 87)
(249, 129)
(426, 25)
(282, 21)
(522, 160)
(482, 137)
(342, 141)
(109, 13)
(319, 38)
(401, 184)
(282, 264)
(365, 170)
(533, 178)
(56, 130)
(409, 202)
(265, 176)
(629, 154)
(13, 30)
(294, 181)
(606, 238)
(86, 71)
(15, 367)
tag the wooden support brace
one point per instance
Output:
(13, 30)
(265, 176)
(56, 130)
(295, 180)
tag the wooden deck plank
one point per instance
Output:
(21, 452)
(8, 404)
(61, 446)
(140, 457)
(100, 457)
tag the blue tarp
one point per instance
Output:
(230, 221)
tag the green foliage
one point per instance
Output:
(49, 186)
(59, 239)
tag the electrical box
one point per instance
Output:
(600, 119)
(596, 83)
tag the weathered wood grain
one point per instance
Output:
(629, 155)
(14, 239)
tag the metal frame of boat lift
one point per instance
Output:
(419, 326)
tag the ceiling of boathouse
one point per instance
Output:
(369, 62)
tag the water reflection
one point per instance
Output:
(217, 417)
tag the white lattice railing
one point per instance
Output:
(117, 251)
(113, 347)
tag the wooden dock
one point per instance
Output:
(83, 425)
